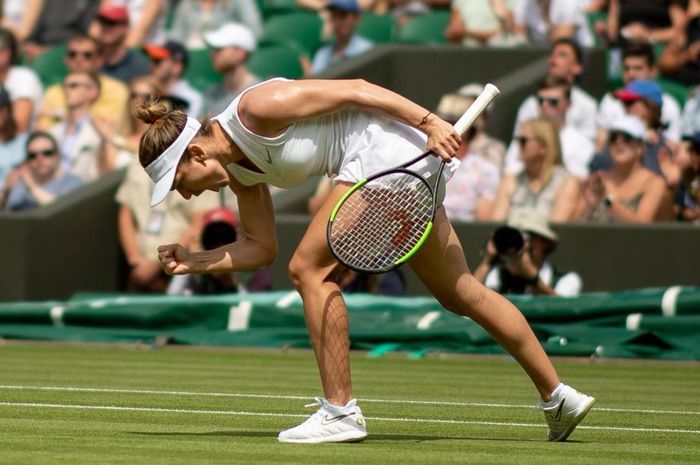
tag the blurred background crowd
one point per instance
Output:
(70, 72)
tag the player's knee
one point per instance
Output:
(466, 298)
(299, 271)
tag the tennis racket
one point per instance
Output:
(383, 220)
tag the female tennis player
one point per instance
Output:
(281, 132)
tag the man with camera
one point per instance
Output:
(515, 259)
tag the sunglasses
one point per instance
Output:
(72, 54)
(75, 85)
(551, 101)
(614, 136)
(44, 153)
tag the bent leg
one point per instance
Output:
(312, 270)
(441, 266)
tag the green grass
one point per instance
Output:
(196, 426)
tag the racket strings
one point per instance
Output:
(382, 222)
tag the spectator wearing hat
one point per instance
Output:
(643, 99)
(344, 18)
(83, 55)
(688, 195)
(470, 194)
(11, 143)
(680, 60)
(21, 83)
(516, 260)
(143, 229)
(480, 142)
(41, 179)
(565, 63)
(111, 30)
(628, 192)
(230, 47)
(58, 21)
(168, 66)
(193, 18)
(638, 63)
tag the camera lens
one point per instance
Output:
(508, 241)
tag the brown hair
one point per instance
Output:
(166, 126)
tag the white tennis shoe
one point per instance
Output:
(565, 411)
(330, 423)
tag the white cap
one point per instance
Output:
(631, 125)
(471, 90)
(162, 170)
(231, 35)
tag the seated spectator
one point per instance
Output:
(230, 46)
(58, 21)
(143, 229)
(83, 54)
(22, 83)
(680, 60)
(480, 142)
(628, 192)
(472, 189)
(516, 260)
(474, 23)
(643, 99)
(147, 25)
(554, 103)
(194, 17)
(78, 140)
(344, 18)
(688, 196)
(12, 143)
(111, 30)
(168, 66)
(21, 16)
(41, 179)
(120, 144)
(649, 20)
(542, 22)
(565, 62)
(544, 185)
(690, 121)
(638, 63)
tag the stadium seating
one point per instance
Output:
(377, 28)
(276, 61)
(49, 66)
(300, 30)
(200, 72)
(428, 28)
(270, 8)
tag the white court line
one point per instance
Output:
(305, 398)
(293, 415)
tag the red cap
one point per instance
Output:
(157, 52)
(114, 13)
(221, 215)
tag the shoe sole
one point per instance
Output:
(577, 419)
(351, 436)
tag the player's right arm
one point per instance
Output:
(256, 248)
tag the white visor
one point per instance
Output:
(162, 170)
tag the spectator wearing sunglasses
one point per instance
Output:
(42, 177)
(628, 192)
(82, 54)
(111, 29)
(554, 101)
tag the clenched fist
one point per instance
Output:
(174, 259)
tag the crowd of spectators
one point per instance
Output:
(631, 156)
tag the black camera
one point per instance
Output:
(509, 240)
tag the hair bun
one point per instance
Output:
(151, 111)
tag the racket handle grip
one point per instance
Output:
(489, 93)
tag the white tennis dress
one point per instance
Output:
(351, 143)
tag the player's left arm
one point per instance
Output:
(270, 108)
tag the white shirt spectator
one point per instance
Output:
(192, 96)
(611, 108)
(691, 116)
(475, 178)
(580, 115)
(568, 285)
(561, 12)
(577, 153)
(23, 83)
